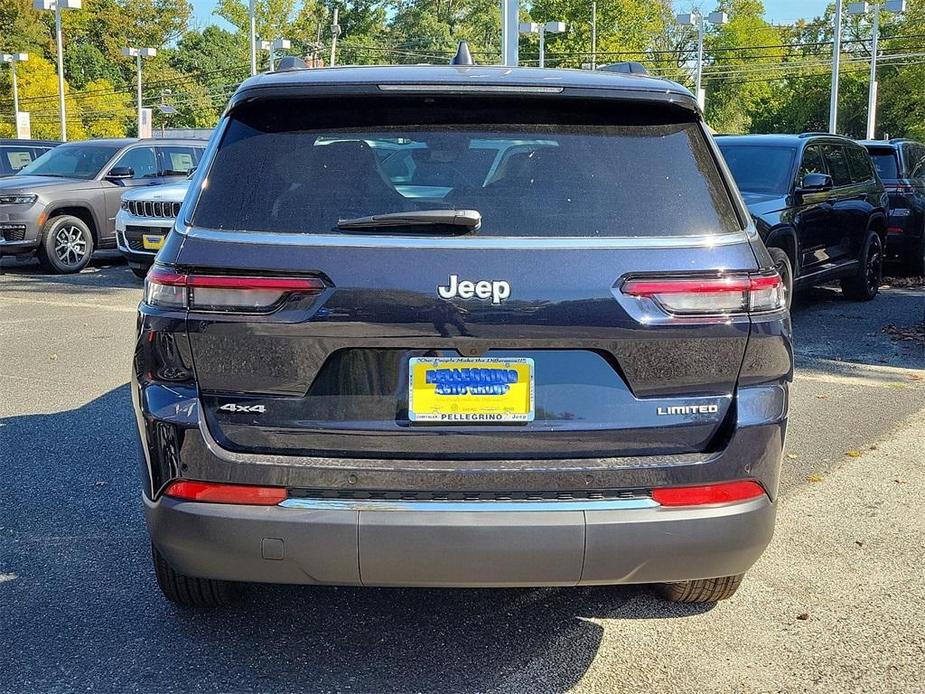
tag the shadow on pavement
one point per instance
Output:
(829, 328)
(107, 270)
(81, 609)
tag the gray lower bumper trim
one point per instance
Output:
(465, 548)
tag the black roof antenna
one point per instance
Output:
(463, 56)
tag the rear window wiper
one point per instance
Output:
(471, 220)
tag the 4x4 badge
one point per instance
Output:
(232, 407)
(496, 290)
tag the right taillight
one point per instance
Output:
(702, 296)
(169, 289)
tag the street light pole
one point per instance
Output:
(12, 59)
(272, 46)
(60, 46)
(594, 36)
(138, 54)
(541, 29)
(510, 34)
(542, 46)
(252, 20)
(697, 19)
(872, 91)
(836, 64)
(335, 32)
(57, 6)
(862, 8)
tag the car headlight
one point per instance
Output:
(16, 199)
(125, 204)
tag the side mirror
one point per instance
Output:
(815, 183)
(120, 173)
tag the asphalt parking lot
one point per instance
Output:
(836, 604)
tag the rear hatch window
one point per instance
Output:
(564, 169)
(886, 162)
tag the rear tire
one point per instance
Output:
(702, 589)
(66, 246)
(189, 591)
(864, 284)
(140, 272)
(785, 269)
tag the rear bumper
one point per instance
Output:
(356, 543)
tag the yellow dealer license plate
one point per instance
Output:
(152, 242)
(470, 391)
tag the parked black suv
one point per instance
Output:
(818, 205)
(461, 326)
(900, 164)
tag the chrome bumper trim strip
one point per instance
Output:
(465, 506)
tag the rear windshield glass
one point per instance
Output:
(885, 162)
(760, 169)
(576, 178)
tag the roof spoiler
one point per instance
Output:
(290, 62)
(627, 67)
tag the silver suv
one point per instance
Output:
(63, 205)
(144, 221)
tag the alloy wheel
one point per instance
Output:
(70, 245)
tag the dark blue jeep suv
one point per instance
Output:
(461, 326)
(818, 204)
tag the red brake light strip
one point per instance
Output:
(737, 283)
(283, 284)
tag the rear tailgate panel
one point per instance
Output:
(331, 370)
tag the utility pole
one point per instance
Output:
(836, 64)
(335, 32)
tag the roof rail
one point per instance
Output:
(816, 133)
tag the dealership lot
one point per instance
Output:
(80, 609)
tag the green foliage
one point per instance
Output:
(758, 77)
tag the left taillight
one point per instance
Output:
(169, 289)
(701, 296)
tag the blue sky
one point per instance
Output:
(780, 11)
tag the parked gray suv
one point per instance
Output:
(63, 205)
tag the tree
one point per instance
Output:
(734, 80)
(38, 94)
(104, 110)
